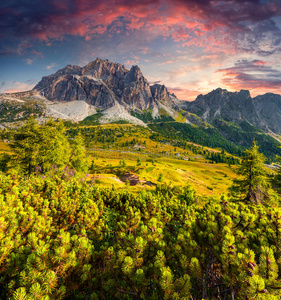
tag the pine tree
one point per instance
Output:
(25, 145)
(138, 162)
(253, 185)
(54, 148)
(78, 159)
(42, 146)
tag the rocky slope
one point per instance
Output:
(232, 107)
(268, 107)
(104, 84)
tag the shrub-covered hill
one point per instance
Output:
(64, 238)
(231, 137)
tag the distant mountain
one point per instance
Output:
(231, 107)
(108, 86)
(115, 94)
(268, 107)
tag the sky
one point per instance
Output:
(191, 46)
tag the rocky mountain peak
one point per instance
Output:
(244, 94)
(219, 91)
(135, 74)
(103, 84)
(101, 68)
(161, 93)
(230, 106)
(69, 70)
(268, 107)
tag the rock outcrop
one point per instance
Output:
(234, 107)
(268, 107)
(104, 84)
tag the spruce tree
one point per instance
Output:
(78, 159)
(252, 185)
(54, 147)
(25, 146)
(40, 146)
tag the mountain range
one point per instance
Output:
(116, 92)
(107, 92)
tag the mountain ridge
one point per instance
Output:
(104, 84)
(106, 92)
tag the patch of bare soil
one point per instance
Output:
(134, 179)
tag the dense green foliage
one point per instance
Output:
(221, 158)
(108, 135)
(78, 159)
(65, 238)
(231, 138)
(146, 117)
(253, 184)
(209, 137)
(92, 120)
(39, 148)
(16, 111)
(244, 134)
(44, 146)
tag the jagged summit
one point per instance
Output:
(69, 69)
(104, 84)
(221, 104)
(220, 93)
(100, 68)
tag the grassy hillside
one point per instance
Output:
(152, 160)
(233, 138)
(164, 153)
(149, 161)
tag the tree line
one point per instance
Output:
(39, 148)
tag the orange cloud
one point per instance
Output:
(203, 23)
(256, 76)
(184, 94)
(37, 53)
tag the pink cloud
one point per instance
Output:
(130, 63)
(257, 76)
(200, 23)
(37, 53)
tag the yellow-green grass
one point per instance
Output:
(205, 178)
(149, 148)
(141, 135)
(4, 147)
(180, 118)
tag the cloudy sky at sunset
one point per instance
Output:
(191, 46)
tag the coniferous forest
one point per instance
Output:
(64, 236)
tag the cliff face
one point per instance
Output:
(232, 107)
(268, 107)
(103, 84)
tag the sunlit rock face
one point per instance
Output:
(103, 84)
